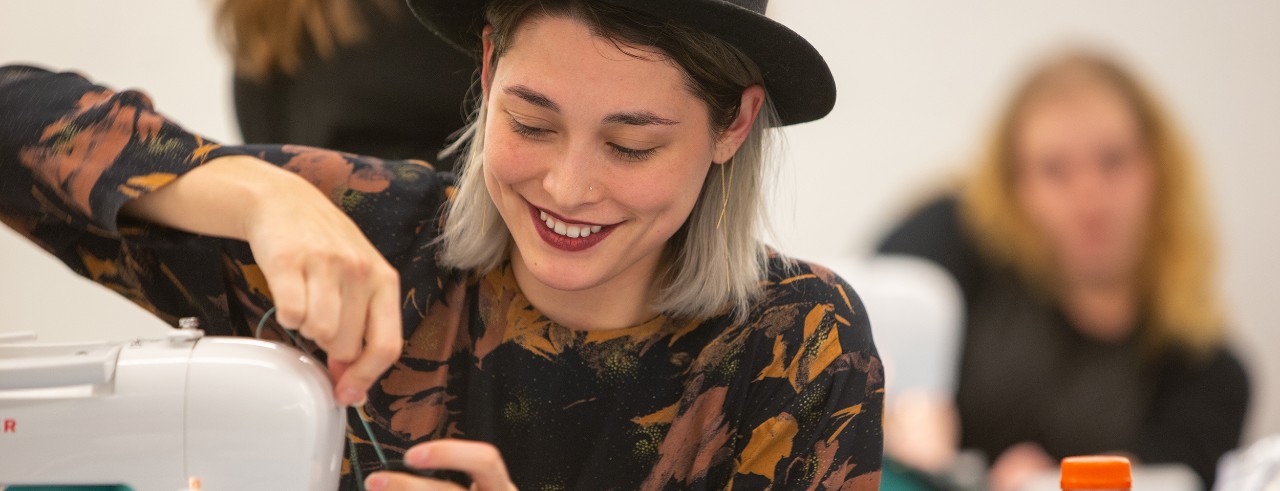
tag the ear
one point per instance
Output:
(733, 136)
(486, 60)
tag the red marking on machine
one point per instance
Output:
(10, 426)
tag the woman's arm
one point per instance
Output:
(74, 156)
(325, 278)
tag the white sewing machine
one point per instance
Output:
(183, 412)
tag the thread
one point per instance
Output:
(364, 417)
(368, 430)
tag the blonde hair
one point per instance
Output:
(270, 36)
(1175, 276)
(715, 262)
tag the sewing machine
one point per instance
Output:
(183, 412)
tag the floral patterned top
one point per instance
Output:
(789, 399)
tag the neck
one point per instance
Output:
(623, 301)
(1103, 311)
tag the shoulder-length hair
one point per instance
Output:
(715, 263)
(1175, 275)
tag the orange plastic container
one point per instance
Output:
(1096, 473)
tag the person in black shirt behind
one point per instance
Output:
(357, 76)
(1081, 246)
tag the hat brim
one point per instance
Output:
(796, 77)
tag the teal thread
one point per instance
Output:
(364, 417)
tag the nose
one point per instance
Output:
(1089, 193)
(1089, 184)
(572, 180)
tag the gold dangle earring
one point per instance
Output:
(726, 183)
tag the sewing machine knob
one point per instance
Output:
(189, 330)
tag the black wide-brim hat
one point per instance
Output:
(796, 76)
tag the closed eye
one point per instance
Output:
(525, 130)
(632, 154)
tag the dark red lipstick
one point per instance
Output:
(563, 242)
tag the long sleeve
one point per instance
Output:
(816, 410)
(80, 151)
(72, 153)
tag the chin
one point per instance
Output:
(563, 275)
(1099, 270)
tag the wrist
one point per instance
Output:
(257, 189)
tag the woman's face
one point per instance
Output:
(594, 157)
(1086, 180)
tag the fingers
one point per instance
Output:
(1018, 465)
(481, 460)
(289, 293)
(383, 341)
(353, 311)
(323, 305)
(396, 481)
(328, 282)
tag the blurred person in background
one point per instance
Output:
(1093, 325)
(362, 77)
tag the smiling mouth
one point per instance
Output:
(566, 235)
(570, 230)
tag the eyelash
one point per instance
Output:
(625, 153)
(525, 130)
(632, 154)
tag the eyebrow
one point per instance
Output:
(634, 118)
(640, 118)
(532, 97)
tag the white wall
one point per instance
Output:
(919, 82)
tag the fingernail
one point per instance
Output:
(375, 482)
(416, 457)
(347, 397)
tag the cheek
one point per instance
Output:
(508, 159)
(1044, 203)
(667, 198)
(1137, 190)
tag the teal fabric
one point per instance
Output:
(67, 488)
(897, 477)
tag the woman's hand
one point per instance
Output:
(329, 283)
(1018, 465)
(326, 279)
(479, 460)
(922, 430)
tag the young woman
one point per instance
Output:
(586, 306)
(1082, 248)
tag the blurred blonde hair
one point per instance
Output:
(1176, 283)
(272, 36)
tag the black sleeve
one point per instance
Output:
(1197, 414)
(934, 232)
(72, 153)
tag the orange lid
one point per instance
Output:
(1096, 472)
